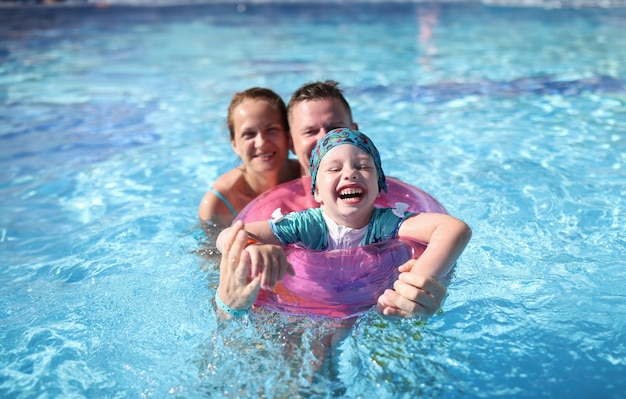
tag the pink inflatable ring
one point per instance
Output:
(337, 283)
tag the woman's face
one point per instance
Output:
(347, 185)
(260, 139)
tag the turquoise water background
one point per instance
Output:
(112, 128)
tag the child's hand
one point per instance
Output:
(270, 262)
(413, 295)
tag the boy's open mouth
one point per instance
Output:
(350, 193)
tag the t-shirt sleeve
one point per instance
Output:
(305, 227)
(384, 225)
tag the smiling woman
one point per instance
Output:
(259, 134)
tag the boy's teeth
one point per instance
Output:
(350, 193)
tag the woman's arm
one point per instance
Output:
(236, 291)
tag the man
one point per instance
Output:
(314, 110)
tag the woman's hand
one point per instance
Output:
(237, 290)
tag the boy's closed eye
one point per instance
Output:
(364, 163)
(333, 166)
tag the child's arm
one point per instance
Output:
(269, 261)
(257, 231)
(446, 237)
(418, 292)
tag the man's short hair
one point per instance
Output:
(318, 91)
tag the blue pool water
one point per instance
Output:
(112, 128)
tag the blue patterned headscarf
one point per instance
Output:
(341, 136)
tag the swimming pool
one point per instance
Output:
(112, 129)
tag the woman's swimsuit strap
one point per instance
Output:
(224, 200)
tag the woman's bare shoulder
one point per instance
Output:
(227, 185)
(229, 181)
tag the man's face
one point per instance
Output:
(309, 121)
